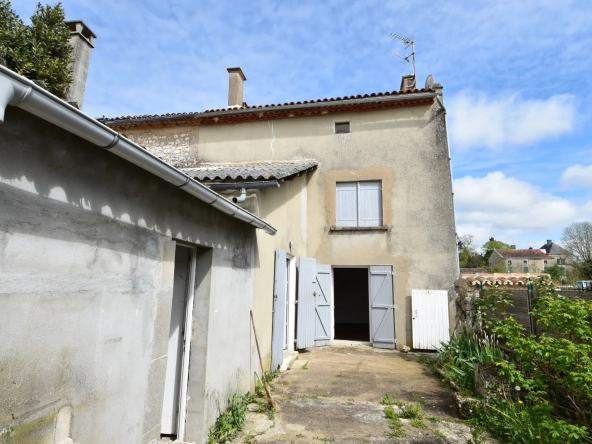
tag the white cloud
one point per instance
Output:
(577, 175)
(477, 119)
(508, 208)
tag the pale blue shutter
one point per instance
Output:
(305, 330)
(370, 203)
(346, 199)
(279, 310)
(382, 306)
(322, 296)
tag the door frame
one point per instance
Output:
(188, 321)
(369, 300)
(291, 302)
(333, 303)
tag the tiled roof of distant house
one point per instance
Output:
(264, 170)
(530, 252)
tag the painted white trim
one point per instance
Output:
(292, 302)
(187, 344)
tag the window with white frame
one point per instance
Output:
(359, 204)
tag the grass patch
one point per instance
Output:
(439, 434)
(418, 423)
(324, 439)
(232, 421)
(396, 428)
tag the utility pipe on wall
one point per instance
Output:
(18, 91)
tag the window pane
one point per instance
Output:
(370, 203)
(341, 127)
(347, 204)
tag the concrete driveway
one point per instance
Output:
(332, 394)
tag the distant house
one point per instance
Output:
(521, 261)
(563, 258)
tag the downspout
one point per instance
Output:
(18, 91)
(451, 180)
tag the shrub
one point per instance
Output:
(41, 50)
(457, 359)
(554, 368)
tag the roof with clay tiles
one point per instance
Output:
(529, 252)
(262, 170)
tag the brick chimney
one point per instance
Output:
(408, 82)
(82, 42)
(236, 81)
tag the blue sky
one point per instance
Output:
(517, 79)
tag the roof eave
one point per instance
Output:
(273, 108)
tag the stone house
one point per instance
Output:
(521, 261)
(563, 258)
(360, 190)
(119, 278)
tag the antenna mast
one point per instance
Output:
(408, 41)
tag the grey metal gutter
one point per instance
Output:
(243, 185)
(23, 93)
(229, 112)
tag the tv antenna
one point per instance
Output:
(409, 42)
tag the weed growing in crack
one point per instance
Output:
(231, 422)
(418, 423)
(439, 434)
(396, 428)
(304, 367)
(325, 439)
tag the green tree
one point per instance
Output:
(467, 252)
(40, 51)
(577, 239)
(556, 273)
(491, 245)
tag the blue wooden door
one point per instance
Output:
(323, 309)
(305, 329)
(382, 306)
(279, 310)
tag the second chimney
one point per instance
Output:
(408, 82)
(236, 81)
(82, 42)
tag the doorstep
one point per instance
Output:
(346, 343)
(289, 358)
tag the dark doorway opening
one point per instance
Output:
(352, 312)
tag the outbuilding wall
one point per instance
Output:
(87, 245)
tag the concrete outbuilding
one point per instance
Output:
(125, 285)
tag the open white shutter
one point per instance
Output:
(322, 297)
(370, 203)
(347, 204)
(305, 330)
(279, 310)
(382, 306)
